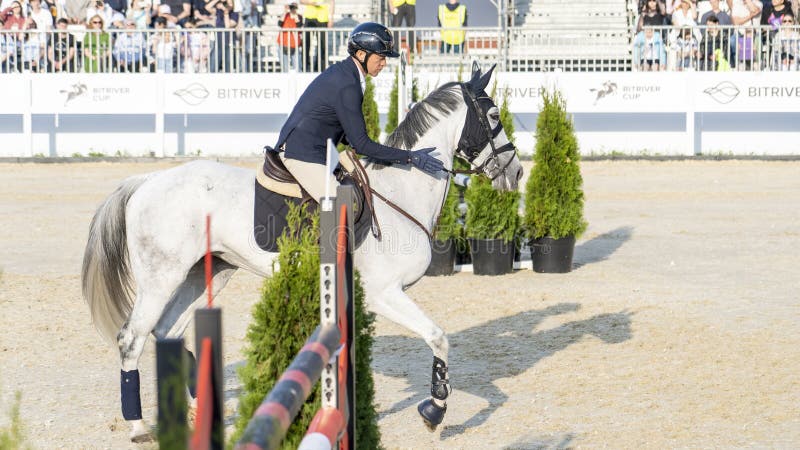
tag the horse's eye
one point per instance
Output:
(495, 117)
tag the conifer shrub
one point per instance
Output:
(448, 226)
(284, 318)
(370, 110)
(553, 193)
(491, 214)
(392, 118)
(12, 437)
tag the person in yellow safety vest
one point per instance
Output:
(452, 18)
(317, 14)
(404, 10)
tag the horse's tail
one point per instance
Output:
(105, 277)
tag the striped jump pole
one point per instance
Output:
(268, 426)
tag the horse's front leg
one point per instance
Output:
(395, 305)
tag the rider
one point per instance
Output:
(331, 108)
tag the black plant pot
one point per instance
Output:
(462, 254)
(443, 258)
(552, 255)
(491, 256)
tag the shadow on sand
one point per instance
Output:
(599, 248)
(507, 347)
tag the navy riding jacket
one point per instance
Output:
(331, 108)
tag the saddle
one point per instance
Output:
(275, 186)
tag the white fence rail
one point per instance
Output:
(518, 49)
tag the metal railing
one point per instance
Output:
(209, 50)
(717, 48)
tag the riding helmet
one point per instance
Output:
(372, 38)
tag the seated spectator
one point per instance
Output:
(42, 16)
(722, 17)
(649, 53)
(8, 52)
(31, 50)
(119, 6)
(99, 8)
(743, 13)
(196, 48)
(162, 47)
(175, 11)
(685, 15)
(205, 13)
(96, 47)
(290, 41)
(130, 48)
(75, 10)
(222, 59)
(652, 15)
(687, 50)
(12, 17)
(786, 47)
(141, 12)
(772, 13)
(714, 47)
(747, 50)
(61, 52)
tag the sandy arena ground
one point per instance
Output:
(679, 326)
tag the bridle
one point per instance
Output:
(473, 147)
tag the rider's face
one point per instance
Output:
(375, 63)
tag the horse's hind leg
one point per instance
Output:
(395, 305)
(153, 293)
(189, 296)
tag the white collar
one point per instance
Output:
(362, 79)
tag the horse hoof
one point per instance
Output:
(143, 438)
(140, 433)
(431, 413)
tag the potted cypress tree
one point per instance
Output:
(446, 235)
(491, 227)
(554, 194)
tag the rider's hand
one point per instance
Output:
(425, 161)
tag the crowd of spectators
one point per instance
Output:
(124, 35)
(179, 35)
(717, 35)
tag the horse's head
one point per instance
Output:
(483, 141)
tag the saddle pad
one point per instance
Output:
(269, 218)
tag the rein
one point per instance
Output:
(472, 153)
(360, 175)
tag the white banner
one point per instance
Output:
(746, 91)
(228, 94)
(16, 94)
(94, 94)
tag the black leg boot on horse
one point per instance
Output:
(433, 409)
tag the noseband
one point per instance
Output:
(473, 140)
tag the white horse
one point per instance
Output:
(149, 235)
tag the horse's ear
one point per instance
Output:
(483, 81)
(475, 77)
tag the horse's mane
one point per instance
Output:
(422, 116)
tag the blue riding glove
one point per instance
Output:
(424, 161)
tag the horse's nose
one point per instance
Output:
(519, 174)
